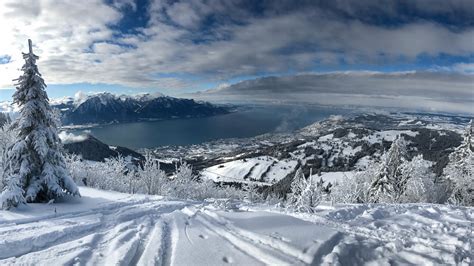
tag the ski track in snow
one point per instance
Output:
(139, 230)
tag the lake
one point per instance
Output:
(244, 123)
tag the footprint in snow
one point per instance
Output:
(227, 259)
(276, 235)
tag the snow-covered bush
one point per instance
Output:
(152, 177)
(353, 189)
(421, 185)
(182, 178)
(7, 137)
(251, 193)
(77, 169)
(112, 174)
(460, 171)
(4, 119)
(117, 175)
(414, 182)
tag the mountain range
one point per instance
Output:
(106, 108)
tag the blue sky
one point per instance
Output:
(180, 47)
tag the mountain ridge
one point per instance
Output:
(103, 108)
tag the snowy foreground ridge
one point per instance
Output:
(109, 228)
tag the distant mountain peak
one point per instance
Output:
(106, 107)
(148, 96)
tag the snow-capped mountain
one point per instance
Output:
(109, 108)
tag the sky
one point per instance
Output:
(217, 47)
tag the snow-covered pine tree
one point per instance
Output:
(297, 186)
(310, 197)
(34, 166)
(460, 170)
(389, 182)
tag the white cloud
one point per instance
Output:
(70, 137)
(464, 68)
(80, 97)
(76, 43)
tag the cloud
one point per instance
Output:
(70, 137)
(432, 91)
(80, 97)
(464, 67)
(216, 40)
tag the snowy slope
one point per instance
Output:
(106, 228)
(263, 169)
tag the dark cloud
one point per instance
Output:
(414, 90)
(457, 13)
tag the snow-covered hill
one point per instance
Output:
(108, 228)
(331, 148)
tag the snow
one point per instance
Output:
(281, 169)
(363, 163)
(388, 135)
(265, 168)
(335, 177)
(145, 96)
(109, 228)
(8, 107)
(326, 137)
(406, 234)
(230, 170)
(351, 151)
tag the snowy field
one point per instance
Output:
(108, 228)
(259, 170)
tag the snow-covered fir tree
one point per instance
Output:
(34, 166)
(310, 197)
(460, 170)
(305, 195)
(389, 182)
(297, 186)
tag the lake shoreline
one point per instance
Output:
(242, 123)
